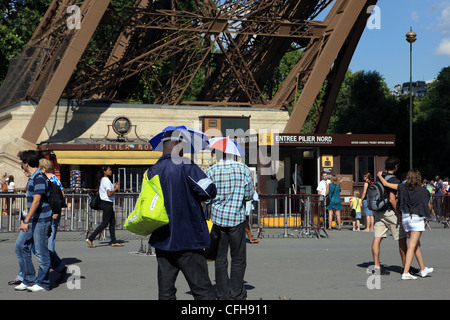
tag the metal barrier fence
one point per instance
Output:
(299, 212)
(441, 207)
(302, 212)
(78, 216)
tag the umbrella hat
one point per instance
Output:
(226, 145)
(195, 139)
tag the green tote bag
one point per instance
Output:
(149, 212)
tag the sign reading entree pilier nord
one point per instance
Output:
(338, 140)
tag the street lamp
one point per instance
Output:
(411, 37)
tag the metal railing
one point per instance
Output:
(302, 212)
(441, 208)
(78, 216)
(298, 212)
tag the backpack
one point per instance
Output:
(377, 196)
(55, 197)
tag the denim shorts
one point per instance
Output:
(367, 211)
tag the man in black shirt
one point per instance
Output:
(389, 220)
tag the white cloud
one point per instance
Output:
(444, 47)
(415, 16)
(444, 19)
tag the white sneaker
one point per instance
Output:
(21, 287)
(423, 273)
(36, 288)
(408, 276)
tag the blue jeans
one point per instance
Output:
(38, 234)
(55, 261)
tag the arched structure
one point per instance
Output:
(98, 50)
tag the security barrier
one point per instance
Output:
(299, 212)
(78, 216)
(441, 208)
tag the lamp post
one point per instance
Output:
(411, 37)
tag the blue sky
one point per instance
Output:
(385, 50)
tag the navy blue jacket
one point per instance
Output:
(184, 186)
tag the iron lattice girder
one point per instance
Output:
(255, 26)
(341, 22)
(198, 24)
(253, 36)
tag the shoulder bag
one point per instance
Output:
(149, 212)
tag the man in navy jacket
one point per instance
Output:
(179, 244)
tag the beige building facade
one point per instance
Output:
(84, 133)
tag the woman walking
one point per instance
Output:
(415, 206)
(334, 193)
(107, 192)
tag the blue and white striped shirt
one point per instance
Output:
(234, 185)
(37, 184)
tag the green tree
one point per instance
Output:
(18, 20)
(365, 106)
(431, 134)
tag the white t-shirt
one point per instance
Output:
(106, 184)
(322, 187)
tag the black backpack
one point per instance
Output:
(377, 196)
(55, 197)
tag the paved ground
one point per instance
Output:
(278, 267)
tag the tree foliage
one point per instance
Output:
(18, 20)
(430, 128)
(365, 105)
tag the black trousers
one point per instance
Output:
(109, 217)
(231, 287)
(194, 267)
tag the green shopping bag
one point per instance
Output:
(149, 212)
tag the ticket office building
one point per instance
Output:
(348, 156)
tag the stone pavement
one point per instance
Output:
(277, 268)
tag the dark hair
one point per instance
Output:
(30, 157)
(391, 162)
(104, 168)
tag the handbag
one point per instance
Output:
(149, 213)
(214, 234)
(353, 213)
(94, 202)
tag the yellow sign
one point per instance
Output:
(327, 161)
(266, 139)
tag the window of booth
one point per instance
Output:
(365, 164)
(348, 165)
(357, 166)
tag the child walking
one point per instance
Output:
(355, 204)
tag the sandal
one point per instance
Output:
(117, 244)
(90, 244)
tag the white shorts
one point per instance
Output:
(413, 222)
